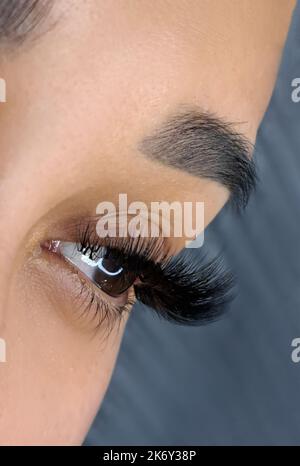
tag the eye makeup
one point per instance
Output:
(117, 271)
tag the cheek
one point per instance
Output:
(55, 374)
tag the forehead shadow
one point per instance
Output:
(205, 146)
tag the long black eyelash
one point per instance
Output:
(139, 250)
(181, 289)
(188, 292)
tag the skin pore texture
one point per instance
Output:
(91, 82)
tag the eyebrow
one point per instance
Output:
(19, 19)
(206, 146)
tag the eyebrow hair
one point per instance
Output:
(205, 146)
(19, 18)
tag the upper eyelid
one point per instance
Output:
(156, 249)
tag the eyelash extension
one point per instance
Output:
(179, 289)
(188, 293)
(139, 250)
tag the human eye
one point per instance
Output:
(115, 272)
(106, 268)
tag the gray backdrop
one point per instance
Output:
(232, 382)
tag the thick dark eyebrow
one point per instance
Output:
(19, 19)
(205, 146)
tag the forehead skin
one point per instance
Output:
(109, 71)
(79, 99)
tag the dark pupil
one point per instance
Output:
(111, 265)
(112, 277)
